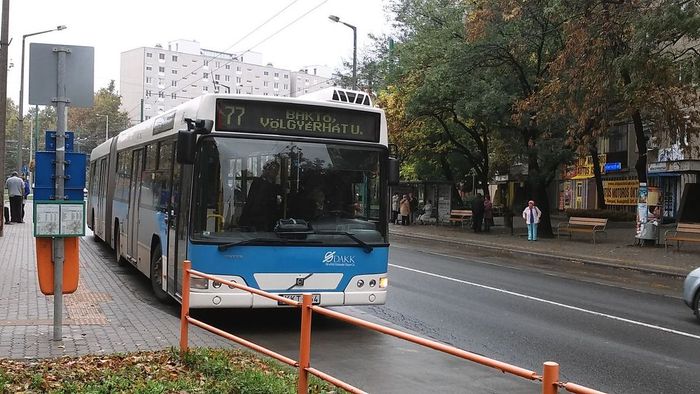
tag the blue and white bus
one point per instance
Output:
(288, 195)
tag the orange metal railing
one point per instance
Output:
(550, 372)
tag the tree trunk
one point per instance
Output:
(593, 150)
(538, 190)
(641, 165)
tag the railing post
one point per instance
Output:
(185, 310)
(550, 378)
(305, 344)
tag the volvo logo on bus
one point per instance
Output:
(331, 258)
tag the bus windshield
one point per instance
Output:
(249, 190)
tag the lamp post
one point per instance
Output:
(20, 117)
(106, 125)
(354, 48)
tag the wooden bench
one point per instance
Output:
(582, 225)
(687, 232)
(460, 216)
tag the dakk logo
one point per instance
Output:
(331, 258)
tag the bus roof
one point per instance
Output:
(204, 107)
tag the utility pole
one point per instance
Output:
(4, 35)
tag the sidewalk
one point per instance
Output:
(615, 250)
(105, 315)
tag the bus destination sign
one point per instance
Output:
(296, 119)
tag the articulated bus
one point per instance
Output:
(287, 195)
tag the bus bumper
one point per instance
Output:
(246, 300)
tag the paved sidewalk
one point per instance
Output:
(618, 249)
(107, 314)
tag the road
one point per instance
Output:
(603, 336)
(615, 331)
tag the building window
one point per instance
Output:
(173, 96)
(238, 91)
(238, 68)
(174, 83)
(228, 66)
(205, 88)
(227, 78)
(206, 63)
(265, 83)
(218, 65)
(266, 73)
(205, 75)
(149, 68)
(149, 54)
(238, 79)
(174, 72)
(161, 56)
(174, 58)
(148, 80)
(161, 94)
(277, 85)
(148, 93)
(286, 75)
(277, 75)
(286, 86)
(161, 69)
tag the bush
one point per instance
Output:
(613, 216)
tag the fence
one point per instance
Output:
(550, 372)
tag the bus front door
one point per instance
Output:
(134, 198)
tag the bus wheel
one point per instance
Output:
(157, 275)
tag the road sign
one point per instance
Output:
(79, 77)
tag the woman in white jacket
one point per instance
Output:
(531, 214)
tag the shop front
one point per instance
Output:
(672, 177)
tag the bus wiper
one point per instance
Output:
(365, 247)
(263, 241)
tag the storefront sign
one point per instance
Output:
(583, 168)
(621, 192)
(657, 167)
(610, 167)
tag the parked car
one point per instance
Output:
(691, 291)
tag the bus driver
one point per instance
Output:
(261, 208)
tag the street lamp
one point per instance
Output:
(354, 48)
(20, 118)
(106, 125)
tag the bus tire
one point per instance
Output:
(157, 275)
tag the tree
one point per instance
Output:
(519, 40)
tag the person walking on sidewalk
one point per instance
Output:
(25, 195)
(488, 214)
(395, 208)
(15, 188)
(405, 209)
(532, 214)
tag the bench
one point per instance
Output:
(582, 225)
(687, 232)
(460, 216)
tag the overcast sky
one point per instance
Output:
(114, 27)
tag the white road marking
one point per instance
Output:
(575, 308)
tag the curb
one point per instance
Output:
(577, 259)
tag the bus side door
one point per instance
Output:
(134, 197)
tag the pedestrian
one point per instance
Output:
(477, 212)
(488, 213)
(532, 215)
(395, 199)
(427, 212)
(405, 209)
(25, 194)
(413, 201)
(15, 189)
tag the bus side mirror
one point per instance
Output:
(393, 171)
(186, 142)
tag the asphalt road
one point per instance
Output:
(625, 340)
(615, 331)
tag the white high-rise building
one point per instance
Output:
(164, 78)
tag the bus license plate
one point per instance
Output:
(315, 298)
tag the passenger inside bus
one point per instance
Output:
(261, 209)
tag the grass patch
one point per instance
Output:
(198, 371)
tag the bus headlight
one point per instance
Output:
(199, 283)
(383, 282)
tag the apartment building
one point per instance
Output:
(165, 77)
